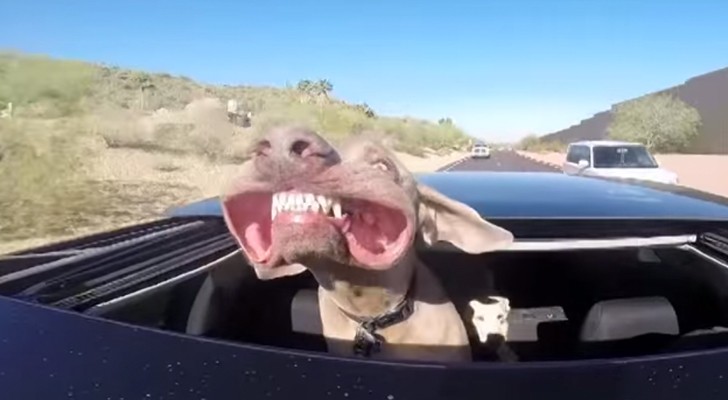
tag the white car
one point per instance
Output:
(612, 159)
(480, 151)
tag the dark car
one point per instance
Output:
(619, 290)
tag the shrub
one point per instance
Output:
(44, 191)
(662, 122)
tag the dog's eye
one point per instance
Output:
(383, 165)
(386, 165)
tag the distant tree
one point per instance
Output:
(445, 121)
(529, 142)
(304, 86)
(366, 110)
(320, 89)
(662, 122)
(324, 87)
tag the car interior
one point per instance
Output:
(565, 305)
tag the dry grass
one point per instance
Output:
(41, 169)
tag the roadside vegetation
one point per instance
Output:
(534, 143)
(74, 150)
(662, 122)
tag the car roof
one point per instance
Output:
(552, 195)
(605, 143)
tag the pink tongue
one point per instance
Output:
(255, 240)
(370, 234)
(368, 218)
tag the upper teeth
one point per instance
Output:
(305, 202)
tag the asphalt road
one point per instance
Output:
(502, 161)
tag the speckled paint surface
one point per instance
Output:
(47, 354)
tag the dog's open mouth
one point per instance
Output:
(376, 235)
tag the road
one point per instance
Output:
(501, 161)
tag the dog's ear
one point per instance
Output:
(444, 219)
(440, 217)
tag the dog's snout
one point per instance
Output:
(262, 147)
(299, 150)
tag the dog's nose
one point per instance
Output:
(296, 149)
(301, 148)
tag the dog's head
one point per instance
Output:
(299, 201)
(490, 317)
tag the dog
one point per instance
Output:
(352, 217)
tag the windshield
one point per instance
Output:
(623, 157)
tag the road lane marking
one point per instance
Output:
(453, 164)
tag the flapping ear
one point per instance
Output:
(444, 219)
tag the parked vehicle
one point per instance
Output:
(613, 159)
(618, 290)
(480, 151)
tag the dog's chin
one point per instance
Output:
(312, 240)
(329, 254)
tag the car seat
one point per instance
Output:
(628, 326)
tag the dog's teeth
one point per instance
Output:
(276, 205)
(336, 207)
(290, 202)
(325, 203)
(300, 202)
(311, 203)
(304, 202)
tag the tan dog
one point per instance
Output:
(352, 218)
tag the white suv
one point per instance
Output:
(613, 159)
(480, 151)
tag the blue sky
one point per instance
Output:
(500, 69)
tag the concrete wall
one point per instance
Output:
(708, 93)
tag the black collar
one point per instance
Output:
(366, 340)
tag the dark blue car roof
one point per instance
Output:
(552, 195)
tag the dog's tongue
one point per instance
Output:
(304, 218)
(375, 235)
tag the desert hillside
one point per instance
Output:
(86, 147)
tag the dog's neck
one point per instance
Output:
(366, 293)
